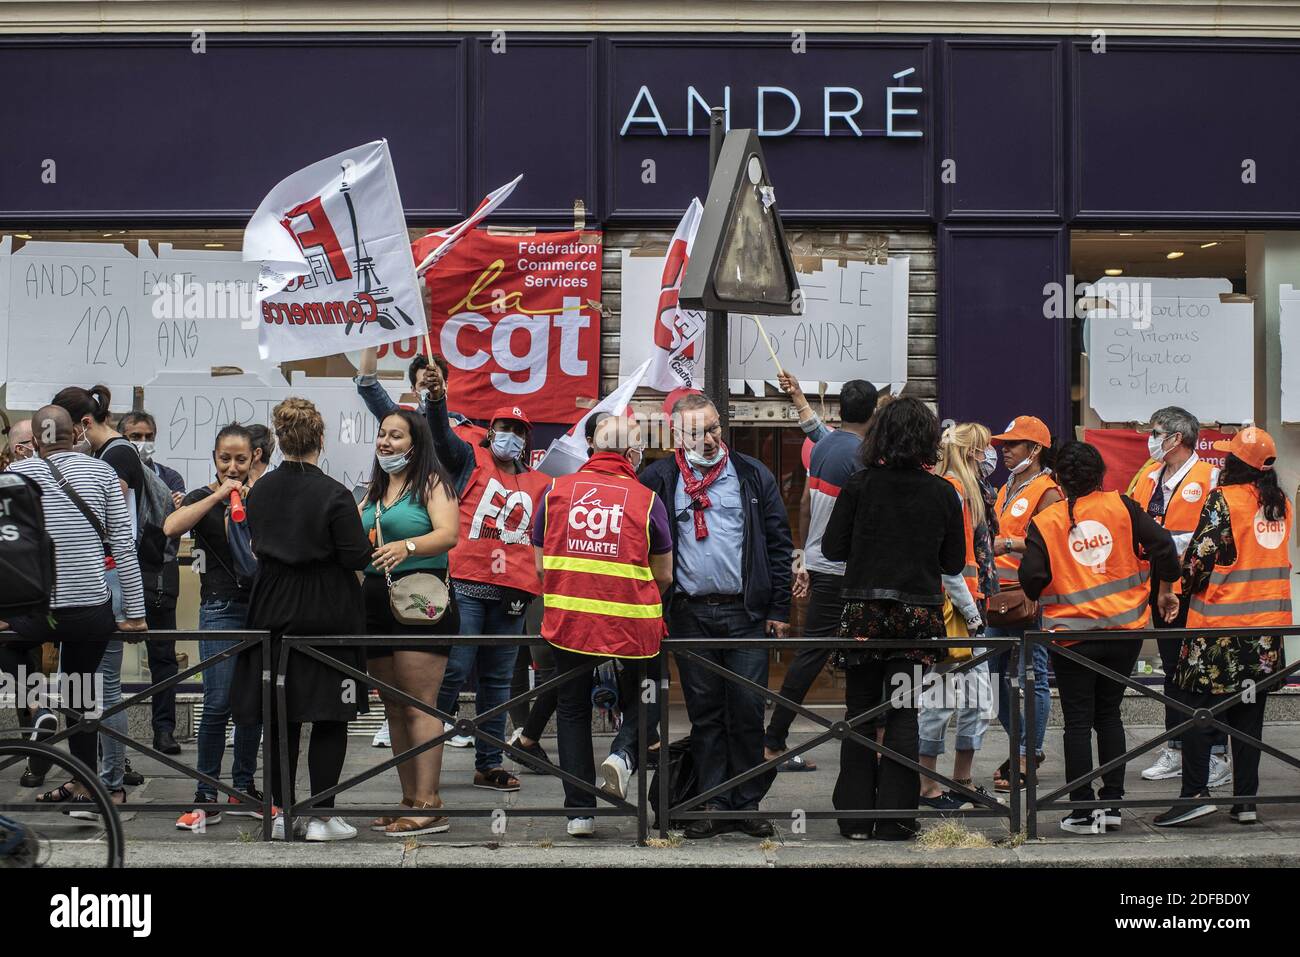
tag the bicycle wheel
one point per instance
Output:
(30, 832)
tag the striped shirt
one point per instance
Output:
(834, 459)
(78, 551)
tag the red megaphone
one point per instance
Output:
(237, 506)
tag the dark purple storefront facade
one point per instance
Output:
(1020, 139)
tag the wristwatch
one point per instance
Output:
(410, 547)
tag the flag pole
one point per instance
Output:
(768, 342)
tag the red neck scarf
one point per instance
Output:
(697, 488)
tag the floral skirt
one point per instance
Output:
(879, 618)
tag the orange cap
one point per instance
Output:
(1253, 446)
(1026, 428)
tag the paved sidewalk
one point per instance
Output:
(152, 839)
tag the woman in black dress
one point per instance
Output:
(899, 528)
(309, 544)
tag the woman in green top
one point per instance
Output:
(413, 518)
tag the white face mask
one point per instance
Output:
(1024, 464)
(146, 451)
(640, 457)
(393, 463)
(1155, 447)
(989, 463)
(700, 462)
(82, 445)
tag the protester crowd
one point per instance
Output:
(455, 534)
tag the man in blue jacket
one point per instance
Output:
(731, 579)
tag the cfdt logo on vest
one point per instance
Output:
(1090, 543)
(596, 518)
(1269, 534)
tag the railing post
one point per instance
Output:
(665, 758)
(1031, 734)
(268, 792)
(1013, 823)
(642, 749)
(282, 738)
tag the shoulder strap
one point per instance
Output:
(66, 488)
(379, 532)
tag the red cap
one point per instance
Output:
(678, 393)
(1026, 428)
(511, 412)
(1253, 446)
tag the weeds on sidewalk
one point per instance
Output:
(673, 840)
(1014, 840)
(950, 834)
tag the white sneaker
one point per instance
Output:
(1220, 772)
(582, 827)
(461, 741)
(300, 825)
(335, 829)
(381, 738)
(614, 775)
(1169, 765)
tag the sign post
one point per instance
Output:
(740, 261)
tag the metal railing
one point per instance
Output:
(77, 722)
(1058, 799)
(986, 805)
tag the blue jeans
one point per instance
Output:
(496, 666)
(219, 615)
(726, 718)
(112, 752)
(1042, 692)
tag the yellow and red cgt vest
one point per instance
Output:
(971, 572)
(1183, 509)
(496, 522)
(599, 594)
(1013, 520)
(1098, 582)
(1256, 588)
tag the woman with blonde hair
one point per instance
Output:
(967, 697)
(309, 542)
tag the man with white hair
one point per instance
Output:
(605, 555)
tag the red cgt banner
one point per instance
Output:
(1125, 451)
(518, 320)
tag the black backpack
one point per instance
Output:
(26, 549)
(682, 779)
(152, 506)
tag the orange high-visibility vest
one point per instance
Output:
(1013, 520)
(1256, 588)
(1183, 507)
(599, 593)
(1097, 579)
(496, 522)
(972, 571)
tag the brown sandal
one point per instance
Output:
(380, 823)
(415, 826)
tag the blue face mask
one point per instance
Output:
(507, 446)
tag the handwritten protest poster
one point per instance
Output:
(854, 326)
(1289, 331)
(1181, 344)
(191, 408)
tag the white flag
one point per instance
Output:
(432, 247)
(565, 455)
(678, 333)
(336, 259)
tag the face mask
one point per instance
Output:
(1021, 467)
(145, 449)
(82, 445)
(1155, 447)
(700, 462)
(989, 463)
(640, 457)
(507, 446)
(393, 463)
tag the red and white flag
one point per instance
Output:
(335, 260)
(427, 250)
(678, 333)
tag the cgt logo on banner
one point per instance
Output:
(519, 320)
(336, 268)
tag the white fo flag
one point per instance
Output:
(565, 455)
(678, 333)
(428, 249)
(336, 259)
